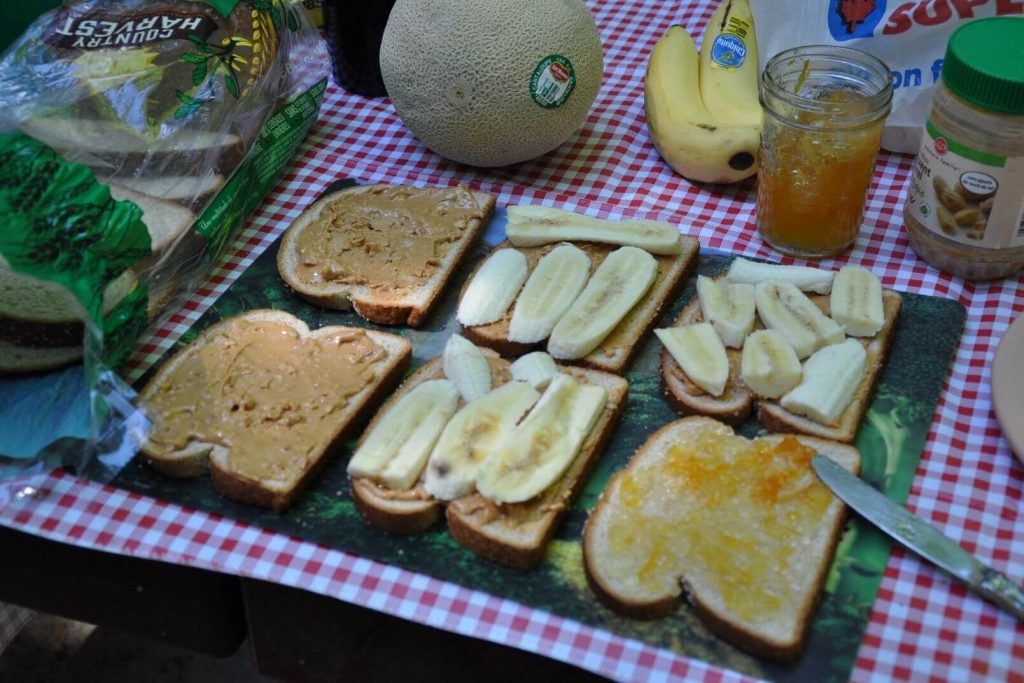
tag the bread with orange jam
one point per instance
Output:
(742, 527)
(262, 402)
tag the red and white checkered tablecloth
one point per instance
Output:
(968, 484)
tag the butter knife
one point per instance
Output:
(919, 536)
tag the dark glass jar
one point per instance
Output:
(354, 29)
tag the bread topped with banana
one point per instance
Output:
(501, 449)
(802, 345)
(586, 290)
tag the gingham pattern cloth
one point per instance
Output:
(923, 627)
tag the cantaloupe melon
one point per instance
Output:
(491, 82)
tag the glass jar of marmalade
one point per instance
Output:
(824, 110)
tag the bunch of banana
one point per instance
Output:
(703, 110)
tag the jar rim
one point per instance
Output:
(856, 65)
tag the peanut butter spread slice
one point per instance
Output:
(268, 395)
(387, 238)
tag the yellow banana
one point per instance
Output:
(689, 138)
(728, 70)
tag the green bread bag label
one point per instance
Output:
(62, 226)
(552, 81)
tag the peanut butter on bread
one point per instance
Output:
(389, 238)
(386, 251)
(263, 392)
(261, 401)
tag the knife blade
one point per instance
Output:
(920, 537)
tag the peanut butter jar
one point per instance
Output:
(964, 212)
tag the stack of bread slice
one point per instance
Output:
(803, 345)
(585, 290)
(501, 449)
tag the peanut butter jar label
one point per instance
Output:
(967, 195)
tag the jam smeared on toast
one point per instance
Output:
(746, 508)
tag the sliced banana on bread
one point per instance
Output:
(827, 393)
(507, 464)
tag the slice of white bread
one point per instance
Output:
(166, 220)
(111, 147)
(748, 546)
(513, 534)
(737, 402)
(175, 188)
(277, 493)
(381, 302)
(618, 348)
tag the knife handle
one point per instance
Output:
(1002, 591)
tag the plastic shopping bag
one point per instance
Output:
(910, 37)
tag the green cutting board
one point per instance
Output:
(890, 441)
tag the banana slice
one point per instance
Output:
(493, 288)
(540, 449)
(553, 285)
(533, 226)
(831, 378)
(475, 432)
(536, 369)
(616, 286)
(769, 365)
(467, 366)
(729, 307)
(397, 449)
(700, 353)
(806, 279)
(856, 301)
(783, 307)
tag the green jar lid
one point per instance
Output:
(984, 64)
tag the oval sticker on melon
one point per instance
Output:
(552, 82)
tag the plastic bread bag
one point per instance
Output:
(135, 136)
(910, 37)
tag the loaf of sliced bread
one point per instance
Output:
(619, 347)
(513, 534)
(386, 251)
(744, 529)
(263, 402)
(737, 402)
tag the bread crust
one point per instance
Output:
(377, 308)
(621, 345)
(515, 535)
(738, 402)
(197, 457)
(726, 626)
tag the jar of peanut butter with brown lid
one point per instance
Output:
(964, 212)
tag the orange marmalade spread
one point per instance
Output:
(388, 238)
(262, 391)
(745, 507)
